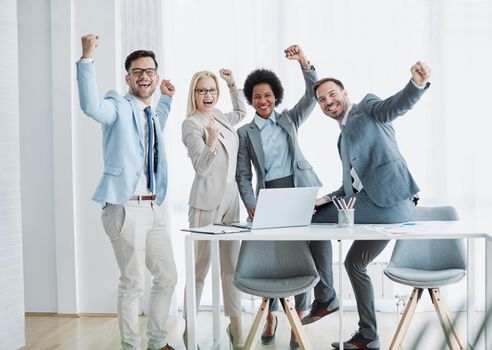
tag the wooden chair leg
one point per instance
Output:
(396, 342)
(254, 332)
(296, 325)
(445, 320)
(453, 329)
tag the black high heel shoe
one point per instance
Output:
(269, 339)
(294, 344)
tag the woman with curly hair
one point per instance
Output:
(270, 142)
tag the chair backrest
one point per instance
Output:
(431, 254)
(275, 259)
(444, 213)
(276, 262)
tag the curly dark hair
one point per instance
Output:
(138, 54)
(259, 76)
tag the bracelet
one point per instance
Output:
(231, 85)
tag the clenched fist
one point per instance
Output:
(294, 52)
(421, 73)
(167, 88)
(226, 74)
(89, 44)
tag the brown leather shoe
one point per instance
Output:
(167, 347)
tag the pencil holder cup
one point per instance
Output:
(346, 217)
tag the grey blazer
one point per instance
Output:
(251, 148)
(210, 168)
(372, 147)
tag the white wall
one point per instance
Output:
(97, 269)
(11, 276)
(69, 265)
(36, 135)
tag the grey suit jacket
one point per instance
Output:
(251, 147)
(210, 168)
(372, 147)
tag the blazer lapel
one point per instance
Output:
(227, 125)
(224, 122)
(255, 138)
(135, 118)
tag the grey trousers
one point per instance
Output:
(361, 253)
(323, 258)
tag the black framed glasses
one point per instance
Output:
(138, 72)
(201, 91)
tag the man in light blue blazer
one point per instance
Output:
(376, 175)
(133, 185)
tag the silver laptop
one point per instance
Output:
(283, 207)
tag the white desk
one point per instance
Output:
(424, 230)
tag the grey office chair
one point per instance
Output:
(428, 264)
(275, 269)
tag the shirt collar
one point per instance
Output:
(261, 122)
(345, 117)
(140, 105)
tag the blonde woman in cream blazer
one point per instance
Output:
(212, 145)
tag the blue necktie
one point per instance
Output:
(347, 179)
(150, 146)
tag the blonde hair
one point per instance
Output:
(191, 94)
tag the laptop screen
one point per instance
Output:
(284, 207)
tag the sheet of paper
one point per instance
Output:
(409, 227)
(215, 229)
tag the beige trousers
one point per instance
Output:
(226, 212)
(140, 238)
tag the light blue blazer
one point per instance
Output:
(123, 146)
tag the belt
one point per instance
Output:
(143, 198)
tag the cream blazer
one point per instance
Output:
(210, 167)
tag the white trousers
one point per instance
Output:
(226, 212)
(140, 238)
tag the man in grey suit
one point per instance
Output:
(376, 174)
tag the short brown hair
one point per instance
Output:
(325, 80)
(138, 54)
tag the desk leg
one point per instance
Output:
(470, 292)
(215, 292)
(190, 292)
(488, 291)
(340, 293)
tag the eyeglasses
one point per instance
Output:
(213, 91)
(138, 72)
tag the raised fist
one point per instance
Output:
(167, 88)
(89, 44)
(226, 74)
(421, 73)
(294, 52)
